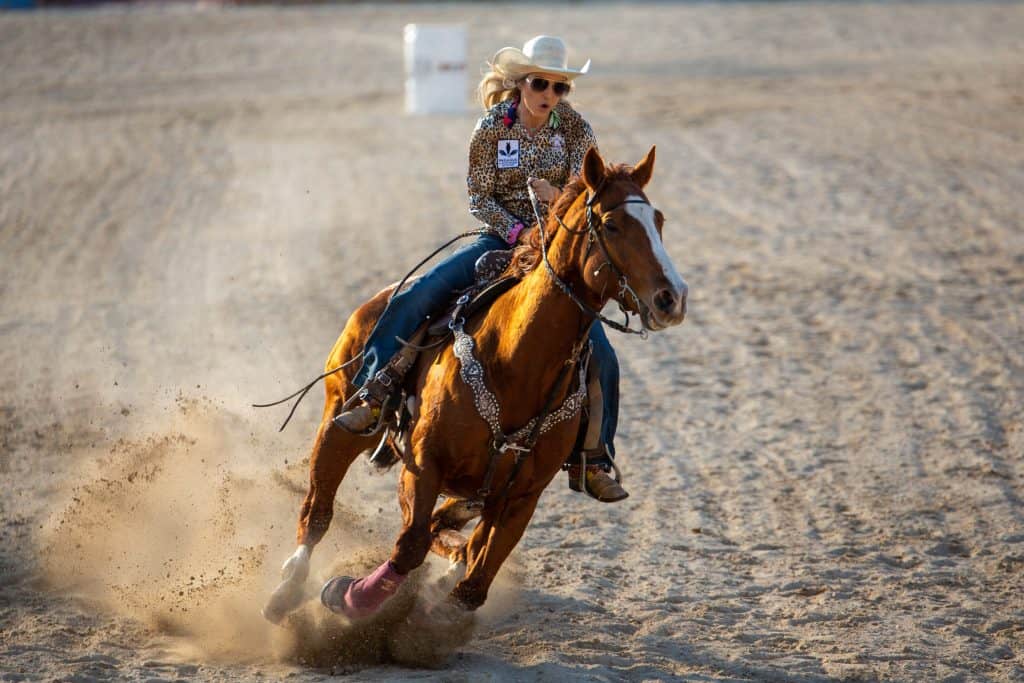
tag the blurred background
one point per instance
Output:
(825, 459)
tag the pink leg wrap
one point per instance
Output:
(365, 596)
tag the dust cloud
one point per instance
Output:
(184, 530)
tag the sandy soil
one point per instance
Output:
(825, 459)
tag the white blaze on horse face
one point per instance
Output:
(644, 214)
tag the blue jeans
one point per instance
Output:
(604, 360)
(434, 290)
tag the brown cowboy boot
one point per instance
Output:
(379, 391)
(366, 414)
(593, 478)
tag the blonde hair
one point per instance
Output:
(501, 83)
(497, 85)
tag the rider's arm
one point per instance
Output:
(481, 181)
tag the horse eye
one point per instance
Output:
(610, 226)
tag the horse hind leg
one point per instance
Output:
(360, 598)
(446, 525)
(334, 450)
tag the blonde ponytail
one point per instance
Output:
(498, 84)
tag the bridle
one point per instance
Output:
(594, 229)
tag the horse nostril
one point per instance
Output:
(665, 301)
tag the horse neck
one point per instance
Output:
(535, 327)
(566, 251)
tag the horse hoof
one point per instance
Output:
(332, 595)
(285, 598)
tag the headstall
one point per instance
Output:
(596, 236)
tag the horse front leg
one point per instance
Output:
(360, 598)
(333, 452)
(490, 545)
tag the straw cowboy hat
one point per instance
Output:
(542, 54)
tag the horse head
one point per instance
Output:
(627, 259)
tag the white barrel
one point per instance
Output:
(435, 69)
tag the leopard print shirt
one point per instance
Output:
(501, 158)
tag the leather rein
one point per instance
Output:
(523, 441)
(596, 236)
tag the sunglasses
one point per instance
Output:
(541, 84)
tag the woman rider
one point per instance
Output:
(529, 135)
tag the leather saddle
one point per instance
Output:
(488, 285)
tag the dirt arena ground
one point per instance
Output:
(825, 460)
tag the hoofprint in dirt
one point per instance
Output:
(825, 459)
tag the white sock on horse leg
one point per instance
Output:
(297, 565)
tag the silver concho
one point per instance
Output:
(472, 373)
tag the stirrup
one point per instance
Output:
(385, 455)
(381, 396)
(360, 419)
(593, 478)
(369, 415)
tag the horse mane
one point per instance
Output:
(526, 254)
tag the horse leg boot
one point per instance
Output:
(333, 452)
(375, 396)
(361, 598)
(588, 469)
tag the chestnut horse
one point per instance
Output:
(523, 341)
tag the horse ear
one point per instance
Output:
(593, 169)
(643, 171)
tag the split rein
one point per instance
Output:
(595, 236)
(301, 393)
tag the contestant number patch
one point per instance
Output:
(508, 153)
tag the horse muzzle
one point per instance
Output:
(667, 308)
